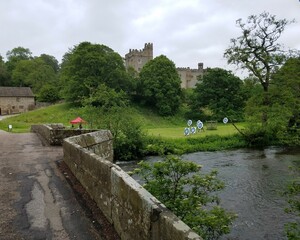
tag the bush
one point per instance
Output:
(129, 140)
(256, 136)
(189, 194)
(162, 146)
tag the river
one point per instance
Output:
(254, 180)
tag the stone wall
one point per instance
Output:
(189, 77)
(53, 134)
(134, 212)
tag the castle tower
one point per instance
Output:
(138, 58)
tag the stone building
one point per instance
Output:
(16, 100)
(189, 77)
(138, 58)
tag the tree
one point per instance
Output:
(34, 73)
(4, 76)
(106, 98)
(51, 61)
(283, 123)
(180, 186)
(285, 91)
(86, 66)
(160, 85)
(250, 87)
(219, 91)
(15, 55)
(48, 93)
(258, 51)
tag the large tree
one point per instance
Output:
(258, 51)
(15, 55)
(220, 92)
(87, 66)
(160, 85)
(34, 73)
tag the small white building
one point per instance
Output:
(16, 100)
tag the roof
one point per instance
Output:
(77, 120)
(16, 92)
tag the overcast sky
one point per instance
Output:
(186, 31)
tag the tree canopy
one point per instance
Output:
(160, 85)
(285, 91)
(34, 73)
(15, 55)
(4, 76)
(51, 61)
(88, 65)
(219, 91)
(257, 49)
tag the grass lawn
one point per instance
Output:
(166, 127)
(59, 113)
(178, 132)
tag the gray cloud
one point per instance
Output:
(186, 31)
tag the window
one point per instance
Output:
(18, 99)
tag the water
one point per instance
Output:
(254, 180)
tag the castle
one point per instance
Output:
(138, 58)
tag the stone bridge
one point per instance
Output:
(133, 212)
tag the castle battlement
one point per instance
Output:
(147, 47)
(137, 58)
(200, 68)
(184, 69)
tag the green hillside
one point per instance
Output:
(165, 134)
(166, 127)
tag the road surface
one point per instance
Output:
(36, 202)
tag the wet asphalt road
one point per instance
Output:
(36, 201)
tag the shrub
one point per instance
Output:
(162, 146)
(129, 140)
(189, 194)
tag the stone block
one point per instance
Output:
(130, 212)
(103, 198)
(171, 227)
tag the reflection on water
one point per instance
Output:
(255, 180)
